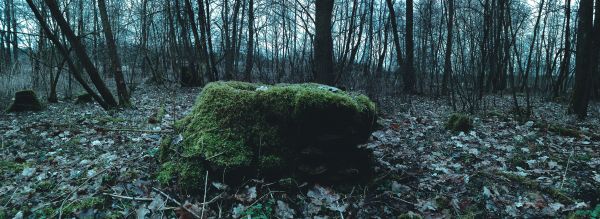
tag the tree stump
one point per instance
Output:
(305, 131)
(25, 100)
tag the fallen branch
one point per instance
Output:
(128, 197)
(133, 130)
(75, 190)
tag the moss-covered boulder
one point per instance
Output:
(459, 123)
(290, 130)
(25, 100)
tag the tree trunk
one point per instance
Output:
(583, 58)
(114, 56)
(395, 33)
(205, 53)
(409, 75)
(323, 44)
(250, 47)
(447, 56)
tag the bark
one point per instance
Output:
(583, 56)
(323, 44)
(409, 74)
(202, 65)
(122, 92)
(250, 46)
(448, 54)
(395, 33)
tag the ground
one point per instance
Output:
(77, 160)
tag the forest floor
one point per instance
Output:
(80, 161)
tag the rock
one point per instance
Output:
(294, 130)
(25, 100)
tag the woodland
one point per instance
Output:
(299, 109)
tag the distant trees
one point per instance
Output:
(82, 55)
(386, 46)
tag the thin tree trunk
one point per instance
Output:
(250, 46)
(323, 45)
(448, 54)
(409, 74)
(114, 56)
(390, 6)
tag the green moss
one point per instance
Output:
(167, 173)
(158, 116)
(244, 127)
(260, 210)
(25, 100)
(164, 149)
(409, 215)
(10, 167)
(91, 202)
(532, 184)
(459, 123)
(44, 186)
(592, 213)
(187, 174)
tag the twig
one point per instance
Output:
(128, 197)
(204, 199)
(564, 176)
(134, 130)
(265, 195)
(75, 190)
(216, 155)
(11, 197)
(402, 200)
(176, 202)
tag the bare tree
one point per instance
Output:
(114, 56)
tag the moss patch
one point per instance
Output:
(25, 100)
(249, 129)
(459, 123)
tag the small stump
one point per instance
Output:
(306, 131)
(459, 123)
(84, 98)
(25, 100)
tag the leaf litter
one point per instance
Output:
(79, 161)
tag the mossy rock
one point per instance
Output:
(287, 130)
(84, 98)
(25, 100)
(459, 123)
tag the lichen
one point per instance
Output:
(248, 128)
